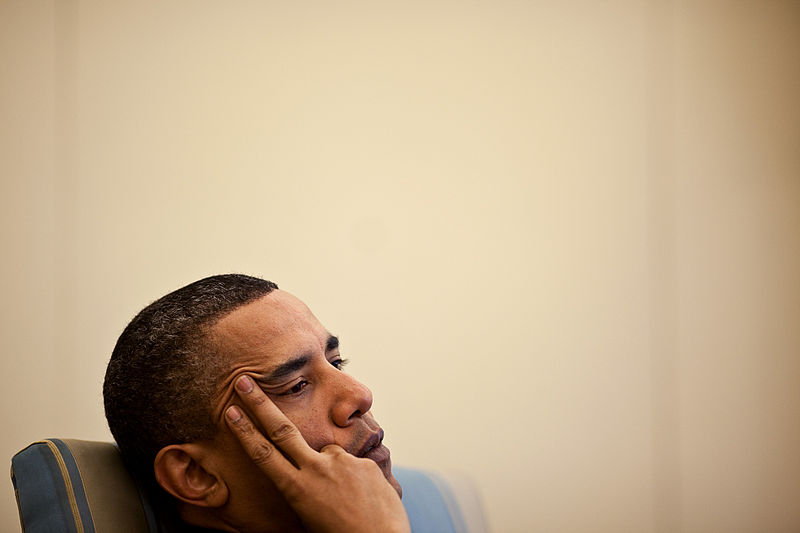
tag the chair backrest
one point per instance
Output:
(83, 487)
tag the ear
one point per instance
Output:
(186, 472)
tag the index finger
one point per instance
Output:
(280, 431)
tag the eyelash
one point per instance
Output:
(339, 364)
(298, 387)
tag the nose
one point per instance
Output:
(353, 399)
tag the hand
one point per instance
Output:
(330, 490)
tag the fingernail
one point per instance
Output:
(244, 384)
(233, 413)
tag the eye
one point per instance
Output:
(339, 364)
(296, 389)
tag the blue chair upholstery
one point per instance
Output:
(83, 487)
(439, 504)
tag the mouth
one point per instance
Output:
(374, 449)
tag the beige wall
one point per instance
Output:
(560, 240)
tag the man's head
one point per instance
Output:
(171, 377)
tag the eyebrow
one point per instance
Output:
(333, 343)
(291, 366)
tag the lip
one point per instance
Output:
(373, 443)
(379, 454)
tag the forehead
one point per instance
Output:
(276, 326)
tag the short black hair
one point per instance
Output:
(164, 369)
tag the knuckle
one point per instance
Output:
(282, 433)
(372, 465)
(262, 453)
(333, 450)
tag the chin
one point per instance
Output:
(387, 473)
(396, 486)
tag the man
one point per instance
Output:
(199, 377)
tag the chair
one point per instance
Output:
(83, 487)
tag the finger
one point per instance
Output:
(334, 449)
(278, 427)
(262, 452)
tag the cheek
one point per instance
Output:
(311, 423)
(314, 425)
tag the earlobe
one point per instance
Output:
(183, 471)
